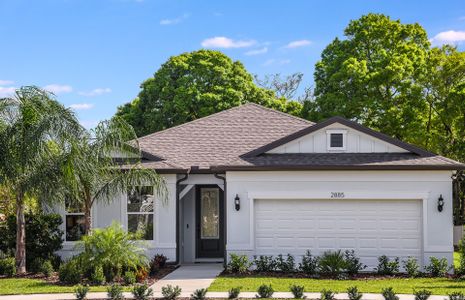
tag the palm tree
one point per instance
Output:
(104, 163)
(33, 125)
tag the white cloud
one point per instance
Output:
(224, 42)
(7, 91)
(175, 20)
(6, 82)
(273, 61)
(81, 106)
(257, 51)
(449, 37)
(95, 92)
(299, 43)
(58, 89)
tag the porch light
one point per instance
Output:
(440, 203)
(237, 202)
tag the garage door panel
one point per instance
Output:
(370, 227)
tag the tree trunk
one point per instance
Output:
(87, 213)
(20, 254)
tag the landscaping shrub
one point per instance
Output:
(70, 271)
(461, 267)
(97, 276)
(411, 267)
(327, 295)
(297, 291)
(234, 292)
(141, 292)
(332, 263)
(353, 264)
(238, 264)
(8, 266)
(40, 265)
(81, 292)
(115, 292)
(265, 263)
(422, 294)
(353, 293)
(170, 292)
(199, 294)
(158, 262)
(456, 296)
(309, 264)
(389, 294)
(141, 274)
(129, 277)
(285, 265)
(387, 266)
(437, 267)
(265, 291)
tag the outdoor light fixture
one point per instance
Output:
(237, 202)
(440, 203)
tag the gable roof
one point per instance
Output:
(237, 139)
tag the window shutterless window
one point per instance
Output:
(74, 221)
(140, 208)
(336, 139)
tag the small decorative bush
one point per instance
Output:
(265, 263)
(437, 267)
(264, 291)
(387, 266)
(285, 265)
(353, 264)
(327, 295)
(81, 292)
(389, 294)
(170, 292)
(411, 267)
(309, 264)
(234, 293)
(332, 263)
(70, 271)
(353, 293)
(297, 291)
(115, 292)
(141, 274)
(456, 296)
(129, 278)
(141, 292)
(40, 265)
(422, 294)
(8, 266)
(238, 264)
(199, 294)
(158, 262)
(97, 277)
(461, 267)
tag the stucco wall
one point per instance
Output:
(437, 232)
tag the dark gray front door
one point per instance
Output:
(210, 222)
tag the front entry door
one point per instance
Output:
(210, 222)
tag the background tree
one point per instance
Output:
(285, 86)
(31, 123)
(194, 85)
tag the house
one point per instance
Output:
(255, 181)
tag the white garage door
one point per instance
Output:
(370, 227)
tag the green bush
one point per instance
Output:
(353, 293)
(411, 267)
(70, 272)
(437, 267)
(40, 265)
(285, 265)
(170, 292)
(389, 294)
(238, 264)
(8, 266)
(309, 264)
(422, 294)
(115, 292)
(81, 292)
(461, 267)
(353, 264)
(234, 292)
(327, 295)
(141, 292)
(97, 277)
(265, 263)
(199, 294)
(456, 296)
(387, 266)
(265, 291)
(332, 263)
(297, 291)
(129, 277)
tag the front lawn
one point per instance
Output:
(439, 286)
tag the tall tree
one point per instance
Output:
(32, 123)
(285, 86)
(193, 85)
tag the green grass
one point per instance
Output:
(15, 286)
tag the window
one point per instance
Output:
(209, 213)
(140, 211)
(336, 139)
(74, 221)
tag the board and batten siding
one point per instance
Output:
(357, 142)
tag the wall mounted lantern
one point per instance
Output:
(237, 202)
(440, 203)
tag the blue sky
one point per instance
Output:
(95, 53)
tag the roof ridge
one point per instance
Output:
(280, 112)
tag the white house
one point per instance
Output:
(256, 181)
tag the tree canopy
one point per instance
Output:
(194, 85)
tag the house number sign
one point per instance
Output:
(337, 195)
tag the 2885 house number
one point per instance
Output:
(337, 195)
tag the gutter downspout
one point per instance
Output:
(225, 214)
(177, 216)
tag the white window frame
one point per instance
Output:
(128, 213)
(70, 214)
(344, 139)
